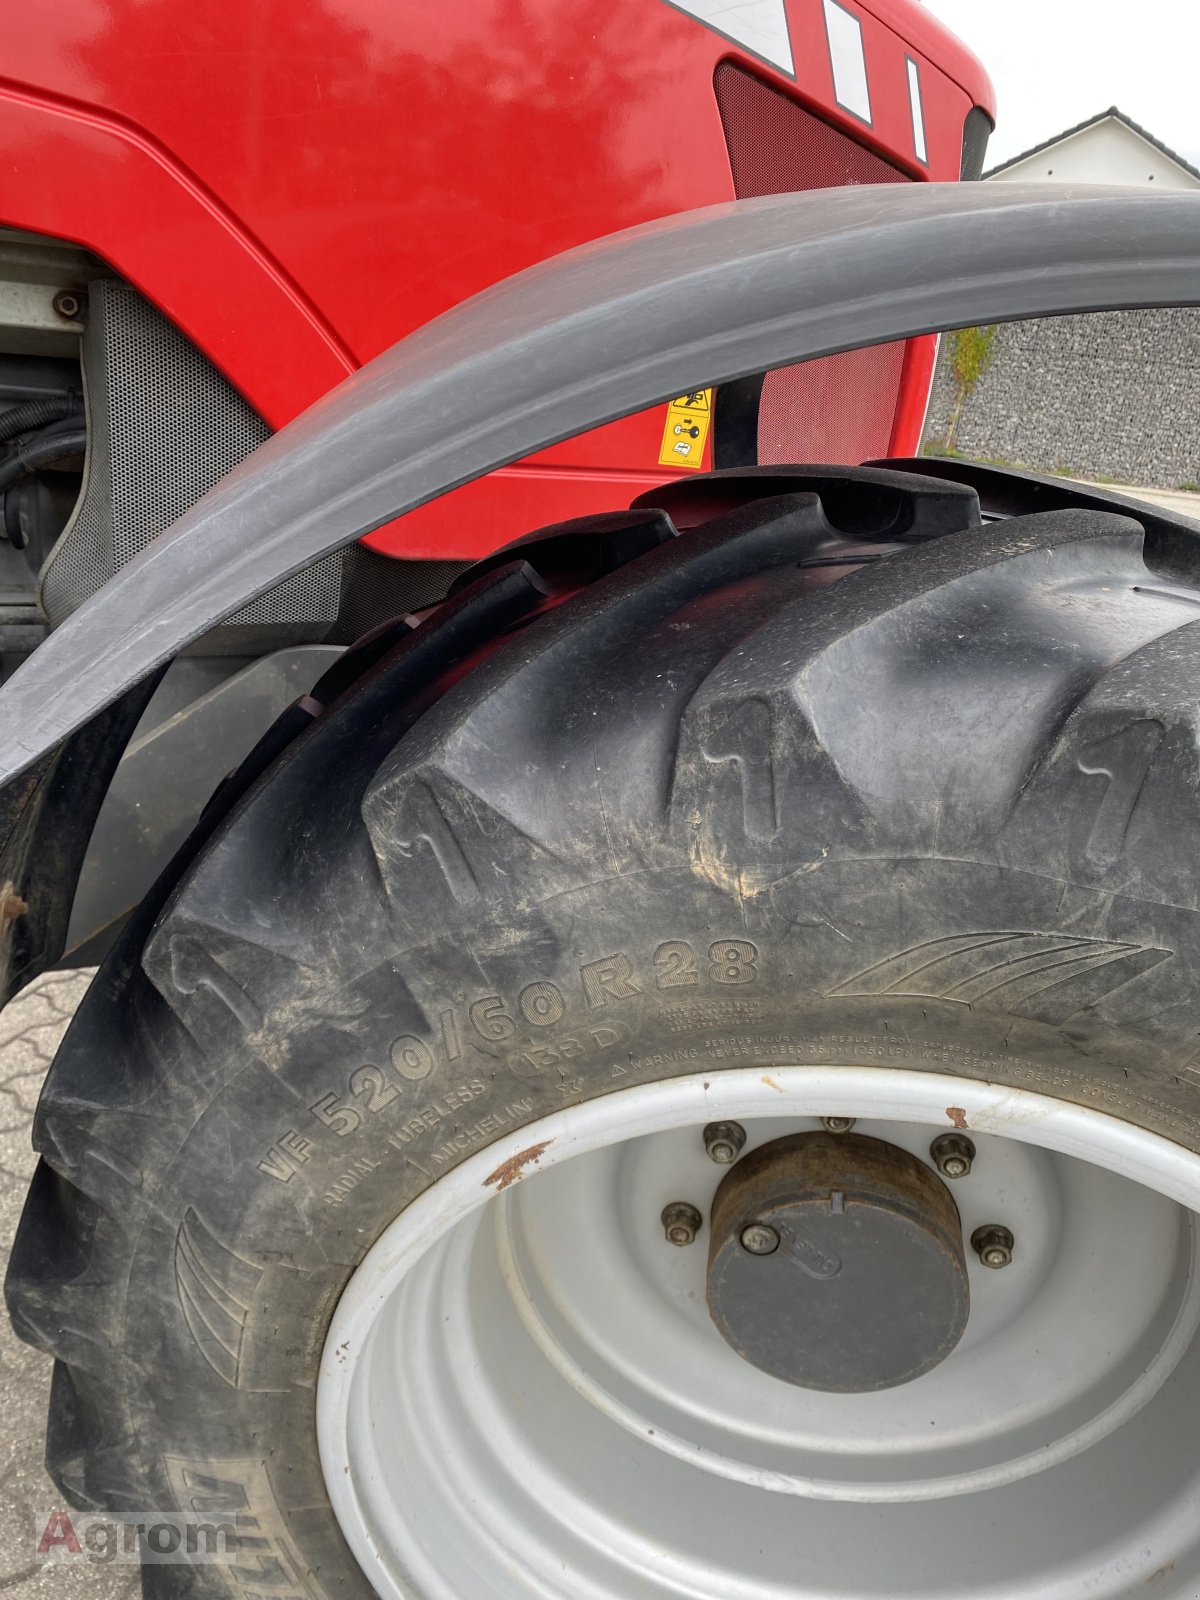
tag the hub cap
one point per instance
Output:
(527, 1395)
(837, 1262)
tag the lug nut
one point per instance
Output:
(953, 1154)
(838, 1124)
(723, 1141)
(681, 1222)
(759, 1238)
(993, 1244)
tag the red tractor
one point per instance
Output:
(651, 1058)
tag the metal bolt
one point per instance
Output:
(759, 1238)
(838, 1124)
(953, 1154)
(68, 305)
(723, 1141)
(681, 1222)
(993, 1244)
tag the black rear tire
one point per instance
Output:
(707, 807)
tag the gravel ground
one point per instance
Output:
(30, 1029)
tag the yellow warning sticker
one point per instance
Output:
(686, 430)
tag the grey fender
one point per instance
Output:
(688, 301)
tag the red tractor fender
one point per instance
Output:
(296, 189)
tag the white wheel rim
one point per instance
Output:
(520, 1395)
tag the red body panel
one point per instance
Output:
(299, 184)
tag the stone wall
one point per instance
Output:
(1104, 396)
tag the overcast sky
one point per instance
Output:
(1056, 62)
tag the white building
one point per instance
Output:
(1108, 148)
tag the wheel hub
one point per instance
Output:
(530, 1386)
(836, 1262)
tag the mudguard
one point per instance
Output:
(577, 341)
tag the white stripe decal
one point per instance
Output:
(918, 115)
(848, 60)
(759, 26)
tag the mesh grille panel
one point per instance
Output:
(377, 587)
(164, 426)
(839, 408)
(977, 130)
